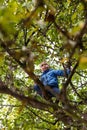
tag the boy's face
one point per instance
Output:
(44, 66)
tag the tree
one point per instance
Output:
(32, 31)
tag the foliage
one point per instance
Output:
(32, 31)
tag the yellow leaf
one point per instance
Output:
(3, 129)
(83, 59)
(63, 60)
(83, 62)
(69, 1)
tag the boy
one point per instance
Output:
(49, 78)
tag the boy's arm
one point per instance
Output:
(62, 72)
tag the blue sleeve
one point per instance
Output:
(62, 72)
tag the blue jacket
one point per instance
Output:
(49, 78)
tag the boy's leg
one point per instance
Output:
(56, 90)
(38, 90)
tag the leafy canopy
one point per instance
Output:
(32, 31)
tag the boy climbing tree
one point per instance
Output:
(49, 78)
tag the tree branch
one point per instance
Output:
(28, 100)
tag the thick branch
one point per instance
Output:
(28, 100)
